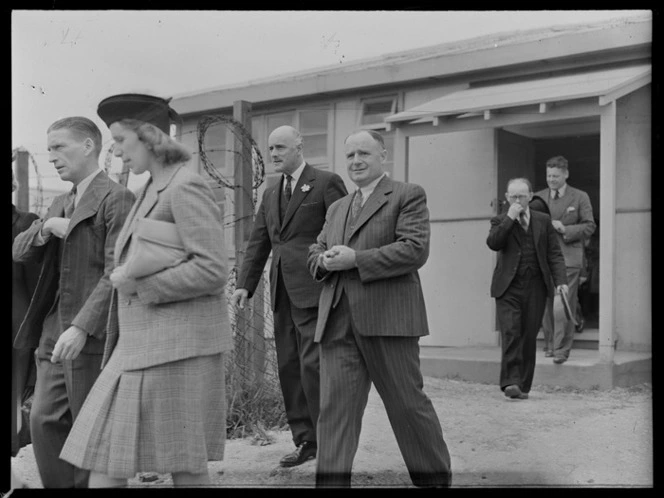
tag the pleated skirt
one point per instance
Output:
(164, 419)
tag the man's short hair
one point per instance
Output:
(374, 134)
(557, 162)
(81, 126)
(524, 180)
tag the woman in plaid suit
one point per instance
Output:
(159, 403)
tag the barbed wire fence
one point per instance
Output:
(254, 399)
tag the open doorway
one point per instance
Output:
(523, 151)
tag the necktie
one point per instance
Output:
(523, 222)
(356, 206)
(69, 203)
(556, 195)
(289, 189)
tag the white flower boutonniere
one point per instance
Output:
(305, 188)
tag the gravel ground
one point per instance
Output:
(560, 437)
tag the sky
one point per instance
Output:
(65, 62)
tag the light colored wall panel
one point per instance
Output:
(633, 272)
(456, 281)
(457, 171)
(633, 282)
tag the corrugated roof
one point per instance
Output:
(538, 91)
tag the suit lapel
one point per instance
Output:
(90, 201)
(307, 177)
(535, 226)
(147, 200)
(376, 200)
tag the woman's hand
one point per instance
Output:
(124, 284)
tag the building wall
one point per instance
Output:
(458, 173)
(633, 222)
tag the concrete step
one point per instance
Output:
(583, 369)
(588, 339)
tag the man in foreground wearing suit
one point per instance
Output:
(290, 216)
(66, 319)
(572, 219)
(371, 315)
(529, 264)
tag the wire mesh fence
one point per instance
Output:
(254, 399)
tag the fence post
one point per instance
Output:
(249, 320)
(23, 179)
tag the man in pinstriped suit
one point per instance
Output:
(371, 315)
(66, 318)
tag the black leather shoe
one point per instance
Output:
(559, 360)
(513, 391)
(304, 452)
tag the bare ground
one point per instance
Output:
(559, 437)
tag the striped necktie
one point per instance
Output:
(69, 203)
(289, 188)
(356, 207)
(556, 195)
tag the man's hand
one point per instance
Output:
(55, 226)
(558, 226)
(69, 344)
(239, 298)
(339, 258)
(124, 284)
(515, 210)
(562, 289)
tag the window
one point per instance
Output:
(313, 125)
(375, 110)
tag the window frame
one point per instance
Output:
(394, 97)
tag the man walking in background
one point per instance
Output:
(572, 219)
(66, 319)
(290, 216)
(529, 263)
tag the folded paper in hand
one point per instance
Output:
(156, 246)
(561, 305)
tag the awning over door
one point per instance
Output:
(608, 85)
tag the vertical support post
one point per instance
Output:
(249, 326)
(23, 179)
(400, 155)
(607, 244)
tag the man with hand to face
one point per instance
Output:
(66, 319)
(572, 218)
(371, 316)
(529, 265)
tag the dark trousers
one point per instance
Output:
(60, 391)
(349, 364)
(22, 360)
(558, 331)
(520, 310)
(298, 361)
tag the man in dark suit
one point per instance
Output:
(371, 316)
(290, 216)
(24, 280)
(529, 264)
(572, 218)
(66, 319)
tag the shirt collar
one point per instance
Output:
(367, 190)
(295, 175)
(561, 191)
(84, 184)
